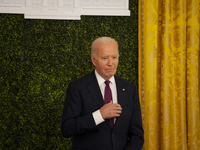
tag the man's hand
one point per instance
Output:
(110, 110)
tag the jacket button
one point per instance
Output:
(113, 135)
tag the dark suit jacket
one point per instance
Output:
(83, 98)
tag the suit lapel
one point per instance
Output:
(95, 90)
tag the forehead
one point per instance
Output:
(108, 48)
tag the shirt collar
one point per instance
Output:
(102, 80)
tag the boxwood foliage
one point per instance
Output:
(38, 59)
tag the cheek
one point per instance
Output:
(116, 64)
(102, 65)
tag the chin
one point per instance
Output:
(110, 75)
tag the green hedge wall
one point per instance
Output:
(38, 59)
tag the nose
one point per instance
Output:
(110, 61)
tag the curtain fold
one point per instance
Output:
(169, 73)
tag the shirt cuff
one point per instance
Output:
(97, 117)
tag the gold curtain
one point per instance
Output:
(169, 73)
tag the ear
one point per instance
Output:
(93, 59)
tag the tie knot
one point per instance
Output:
(107, 82)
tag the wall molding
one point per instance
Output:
(65, 9)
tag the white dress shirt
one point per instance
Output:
(97, 115)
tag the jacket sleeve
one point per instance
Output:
(73, 122)
(136, 132)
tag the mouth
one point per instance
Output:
(109, 69)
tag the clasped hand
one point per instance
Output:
(110, 110)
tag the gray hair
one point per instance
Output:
(101, 40)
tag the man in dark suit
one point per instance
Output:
(89, 119)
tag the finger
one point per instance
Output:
(117, 115)
(118, 111)
(118, 107)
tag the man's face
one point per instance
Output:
(105, 59)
